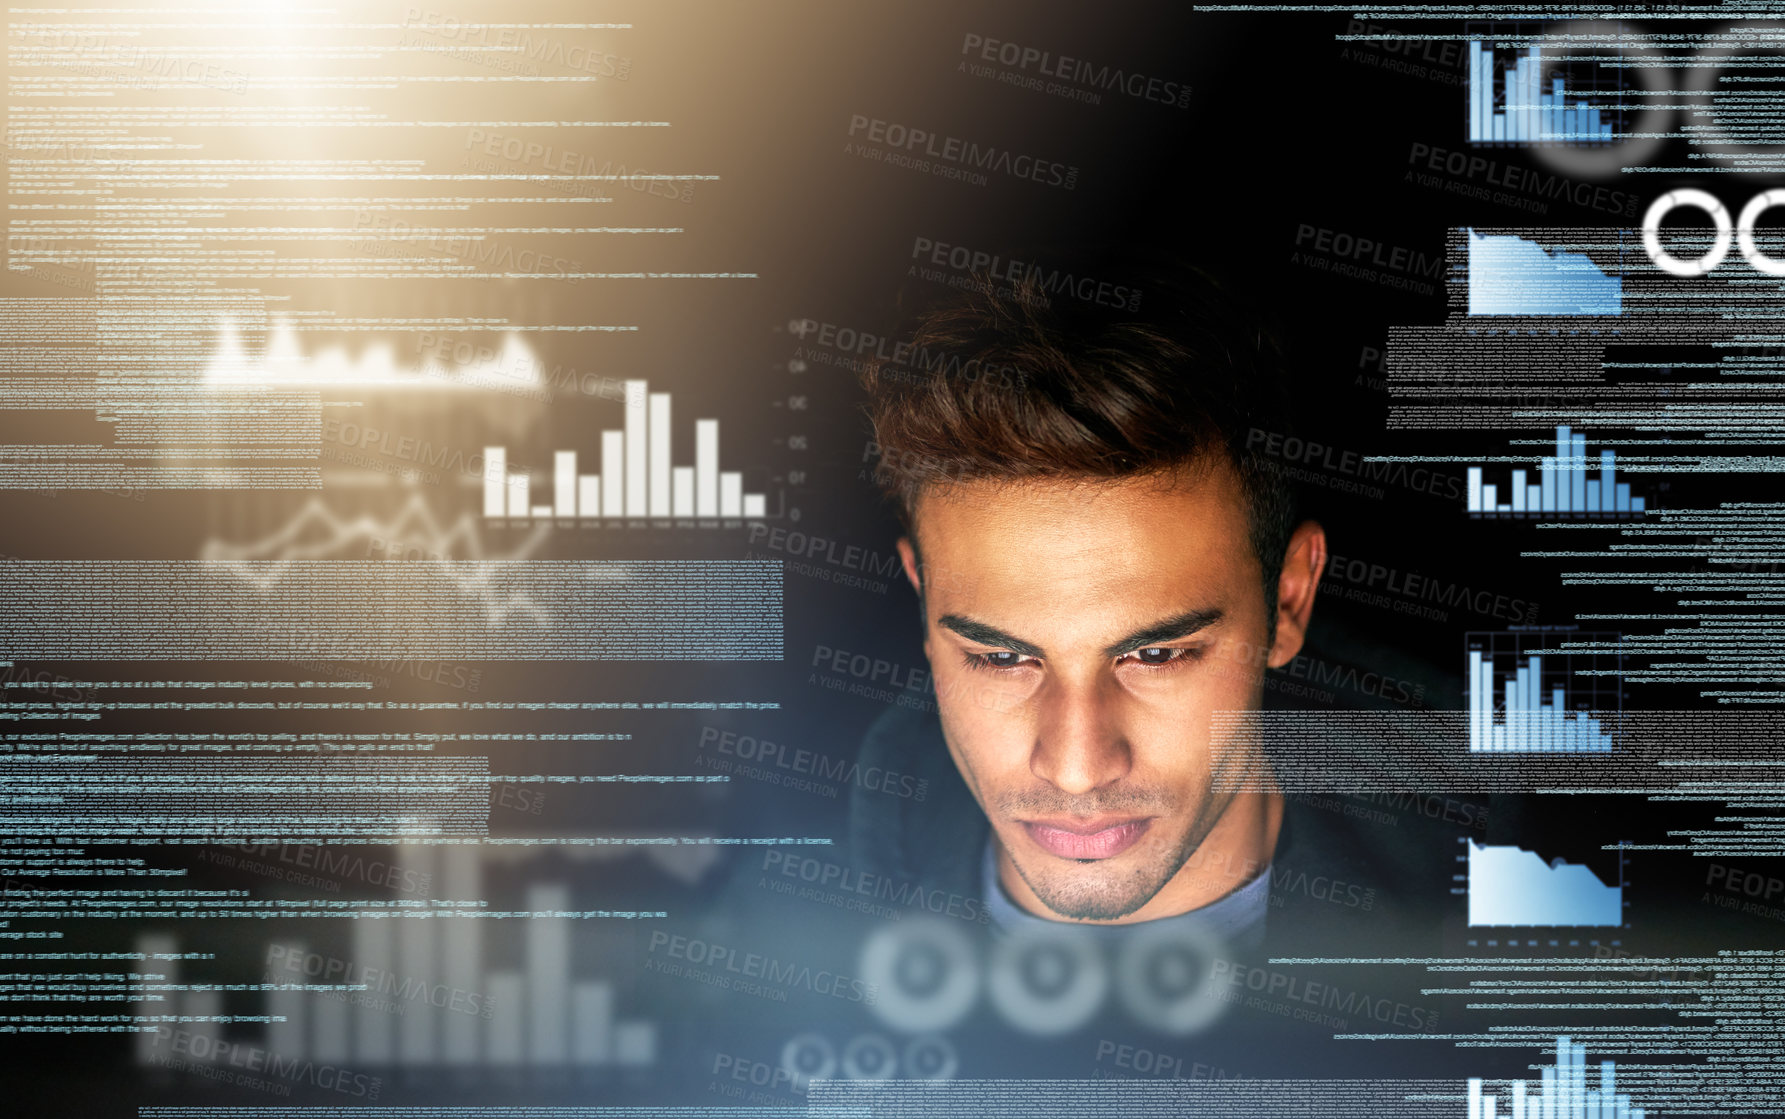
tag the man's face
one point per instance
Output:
(1082, 634)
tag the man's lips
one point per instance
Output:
(1099, 838)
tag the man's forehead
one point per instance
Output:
(1084, 562)
(1199, 500)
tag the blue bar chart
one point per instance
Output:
(1512, 886)
(1532, 108)
(1561, 1091)
(1526, 695)
(637, 478)
(1564, 486)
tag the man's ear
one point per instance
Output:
(1303, 564)
(914, 572)
(908, 557)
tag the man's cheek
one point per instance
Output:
(975, 693)
(1245, 658)
(997, 701)
(964, 751)
(1235, 672)
(990, 752)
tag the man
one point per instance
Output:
(1109, 574)
(1104, 564)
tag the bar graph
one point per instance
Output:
(1563, 487)
(1519, 106)
(1560, 1093)
(153, 1000)
(1525, 697)
(429, 997)
(187, 1027)
(1510, 886)
(638, 477)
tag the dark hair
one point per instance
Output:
(1027, 379)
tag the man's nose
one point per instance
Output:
(1080, 744)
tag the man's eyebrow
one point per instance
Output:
(988, 635)
(1170, 629)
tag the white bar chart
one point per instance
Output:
(419, 992)
(638, 479)
(433, 1000)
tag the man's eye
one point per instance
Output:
(1159, 656)
(997, 658)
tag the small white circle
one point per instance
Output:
(1047, 982)
(931, 1058)
(1751, 253)
(925, 972)
(1166, 978)
(870, 1057)
(1651, 231)
(808, 1057)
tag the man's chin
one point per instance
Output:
(1073, 903)
(1089, 889)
